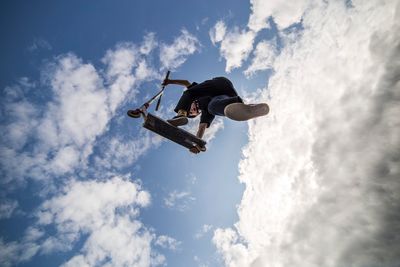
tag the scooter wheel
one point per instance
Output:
(134, 113)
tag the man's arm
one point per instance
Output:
(201, 130)
(178, 82)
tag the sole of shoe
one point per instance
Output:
(244, 112)
(178, 121)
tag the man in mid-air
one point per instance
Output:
(215, 97)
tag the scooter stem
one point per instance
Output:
(162, 91)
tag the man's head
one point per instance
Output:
(194, 110)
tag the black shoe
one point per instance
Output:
(178, 120)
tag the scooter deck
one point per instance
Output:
(175, 134)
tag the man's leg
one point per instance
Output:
(218, 104)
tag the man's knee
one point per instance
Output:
(212, 107)
(216, 105)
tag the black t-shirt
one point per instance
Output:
(205, 117)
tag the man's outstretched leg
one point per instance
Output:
(244, 112)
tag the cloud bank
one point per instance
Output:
(175, 54)
(57, 139)
(236, 45)
(322, 170)
(104, 215)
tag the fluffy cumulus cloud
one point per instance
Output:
(322, 169)
(264, 57)
(283, 13)
(235, 44)
(117, 153)
(174, 55)
(217, 33)
(105, 215)
(60, 136)
(57, 137)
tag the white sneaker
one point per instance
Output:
(244, 112)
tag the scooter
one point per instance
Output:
(142, 111)
(163, 128)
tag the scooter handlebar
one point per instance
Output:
(159, 98)
(167, 76)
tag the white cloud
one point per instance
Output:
(168, 242)
(217, 33)
(284, 13)
(179, 200)
(18, 252)
(121, 60)
(149, 43)
(199, 262)
(102, 214)
(65, 160)
(22, 120)
(56, 138)
(235, 45)
(7, 208)
(211, 132)
(78, 114)
(144, 72)
(119, 153)
(321, 170)
(120, 63)
(204, 230)
(39, 43)
(104, 211)
(60, 135)
(264, 57)
(233, 251)
(174, 55)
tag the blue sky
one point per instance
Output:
(82, 184)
